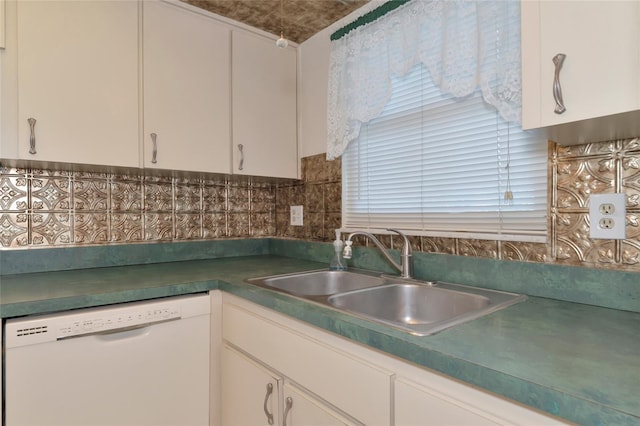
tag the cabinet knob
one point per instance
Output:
(287, 408)
(241, 148)
(32, 136)
(266, 399)
(154, 155)
(558, 60)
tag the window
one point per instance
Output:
(432, 164)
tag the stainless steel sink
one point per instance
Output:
(319, 283)
(415, 307)
(423, 309)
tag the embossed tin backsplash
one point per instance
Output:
(59, 208)
(40, 208)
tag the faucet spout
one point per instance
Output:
(405, 267)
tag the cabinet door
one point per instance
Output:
(414, 405)
(599, 75)
(302, 409)
(186, 90)
(264, 107)
(78, 78)
(250, 392)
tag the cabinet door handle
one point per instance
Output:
(266, 399)
(154, 155)
(240, 148)
(32, 136)
(287, 408)
(558, 60)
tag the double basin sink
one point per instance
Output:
(416, 307)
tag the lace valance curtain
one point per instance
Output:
(465, 45)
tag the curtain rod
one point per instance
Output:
(368, 18)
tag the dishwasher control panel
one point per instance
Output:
(102, 320)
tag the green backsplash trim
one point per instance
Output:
(68, 258)
(368, 18)
(599, 287)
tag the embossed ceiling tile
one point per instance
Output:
(187, 198)
(238, 224)
(631, 254)
(50, 193)
(158, 226)
(13, 193)
(49, 229)
(300, 18)
(578, 178)
(90, 228)
(631, 145)
(631, 179)
(333, 169)
(524, 251)
(438, 245)
(126, 227)
(13, 230)
(158, 197)
(126, 196)
(188, 226)
(90, 194)
(214, 198)
(262, 224)
(587, 150)
(214, 225)
(478, 248)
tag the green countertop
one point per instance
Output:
(576, 361)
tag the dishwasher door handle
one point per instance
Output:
(118, 330)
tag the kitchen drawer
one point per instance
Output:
(349, 382)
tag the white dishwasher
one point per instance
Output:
(141, 363)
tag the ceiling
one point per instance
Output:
(300, 18)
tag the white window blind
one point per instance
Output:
(432, 164)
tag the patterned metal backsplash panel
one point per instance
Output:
(57, 208)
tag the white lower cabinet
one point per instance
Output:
(250, 392)
(337, 384)
(332, 380)
(255, 395)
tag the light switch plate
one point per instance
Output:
(607, 215)
(296, 216)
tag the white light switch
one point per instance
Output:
(296, 216)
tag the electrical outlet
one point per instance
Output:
(296, 216)
(607, 215)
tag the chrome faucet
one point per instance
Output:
(405, 267)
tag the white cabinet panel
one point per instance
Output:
(598, 78)
(264, 107)
(186, 89)
(416, 406)
(250, 392)
(77, 66)
(302, 409)
(354, 386)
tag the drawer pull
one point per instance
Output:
(154, 155)
(266, 399)
(558, 60)
(287, 408)
(240, 148)
(32, 136)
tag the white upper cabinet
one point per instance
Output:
(598, 78)
(263, 107)
(77, 81)
(186, 89)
